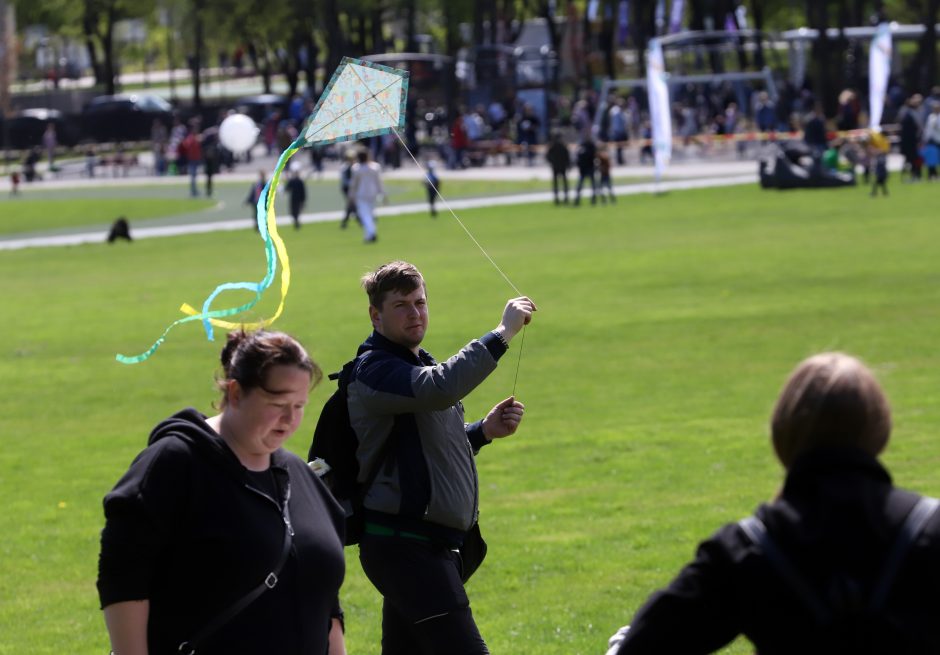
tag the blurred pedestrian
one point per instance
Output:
(297, 192)
(603, 174)
(345, 178)
(191, 149)
(254, 195)
(29, 165)
(211, 156)
(617, 127)
(587, 165)
(911, 133)
(559, 158)
(15, 183)
(879, 146)
(458, 143)
(365, 189)
(433, 185)
(932, 140)
(50, 141)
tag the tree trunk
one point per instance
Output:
(822, 50)
(607, 40)
(757, 11)
(450, 44)
(378, 37)
(198, 50)
(290, 64)
(107, 46)
(335, 44)
(411, 26)
(89, 18)
(642, 23)
(927, 51)
(310, 70)
(544, 12)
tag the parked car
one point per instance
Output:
(124, 117)
(24, 129)
(260, 106)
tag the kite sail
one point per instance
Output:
(362, 99)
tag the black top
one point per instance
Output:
(836, 520)
(192, 531)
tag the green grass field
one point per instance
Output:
(40, 209)
(666, 328)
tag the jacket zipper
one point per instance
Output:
(285, 515)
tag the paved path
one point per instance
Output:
(98, 236)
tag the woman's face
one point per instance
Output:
(264, 418)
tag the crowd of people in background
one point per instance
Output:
(585, 132)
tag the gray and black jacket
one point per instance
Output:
(428, 480)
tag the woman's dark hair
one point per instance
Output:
(248, 357)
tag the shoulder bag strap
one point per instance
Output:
(912, 527)
(756, 531)
(270, 581)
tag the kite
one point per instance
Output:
(362, 99)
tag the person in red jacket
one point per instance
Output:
(191, 149)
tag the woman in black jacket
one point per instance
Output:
(841, 562)
(217, 540)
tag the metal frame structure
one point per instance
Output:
(674, 80)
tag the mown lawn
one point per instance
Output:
(666, 327)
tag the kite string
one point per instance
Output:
(518, 362)
(433, 186)
(452, 213)
(456, 218)
(472, 238)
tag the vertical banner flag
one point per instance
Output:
(879, 70)
(623, 22)
(675, 16)
(660, 115)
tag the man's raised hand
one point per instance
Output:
(516, 314)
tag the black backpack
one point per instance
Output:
(864, 625)
(332, 455)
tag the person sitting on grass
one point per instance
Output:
(840, 562)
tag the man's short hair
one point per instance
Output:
(830, 400)
(395, 276)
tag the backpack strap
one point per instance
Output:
(756, 531)
(913, 525)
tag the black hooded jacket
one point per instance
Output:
(191, 530)
(836, 520)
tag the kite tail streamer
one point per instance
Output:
(274, 248)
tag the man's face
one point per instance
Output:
(403, 318)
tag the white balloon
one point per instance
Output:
(238, 133)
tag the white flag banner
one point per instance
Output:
(660, 114)
(879, 69)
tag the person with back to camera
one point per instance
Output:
(840, 562)
(421, 540)
(217, 540)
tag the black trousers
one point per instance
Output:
(425, 608)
